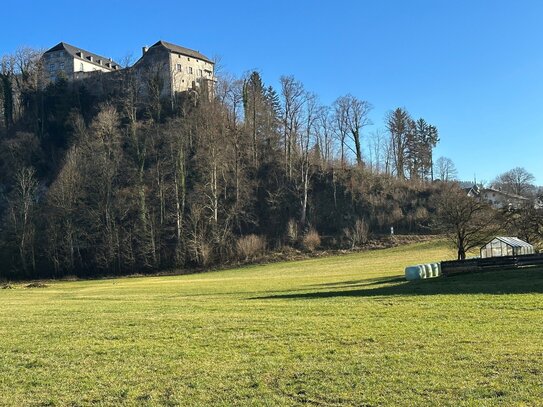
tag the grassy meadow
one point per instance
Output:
(344, 330)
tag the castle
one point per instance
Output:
(179, 69)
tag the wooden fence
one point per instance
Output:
(449, 268)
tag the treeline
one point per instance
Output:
(122, 181)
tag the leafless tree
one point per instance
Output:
(351, 117)
(467, 222)
(21, 216)
(516, 181)
(325, 138)
(341, 128)
(308, 138)
(63, 217)
(292, 92)
(445, 169)
(378, 143)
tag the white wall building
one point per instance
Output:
(74, 63)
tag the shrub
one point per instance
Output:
(205, 254)
(358, 234)
(202, 253)
(250, 246)
(311, 240)
(292, 231)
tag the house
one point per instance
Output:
(497, 198)
(180, 69)
(74, 63)
(506, 246)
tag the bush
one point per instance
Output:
(358, 234)
(250, 246)
(292, 231)
(311, 240)
(202, 253)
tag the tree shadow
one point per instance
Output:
(524, 281)
(364, 282)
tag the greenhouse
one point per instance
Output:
(506, 246)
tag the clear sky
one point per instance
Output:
(472, 68)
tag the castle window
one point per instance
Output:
(178, 68)
(190, 70)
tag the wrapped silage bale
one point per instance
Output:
(437, 269)
(422, 271)
(428, 269)
(414, 272)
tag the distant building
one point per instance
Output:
(497, 198)
(506, 246)
(74, 63)
(180, 69)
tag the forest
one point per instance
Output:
(121, 181)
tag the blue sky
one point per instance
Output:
(472, 68)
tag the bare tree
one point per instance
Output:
(378, 147)
(325, 142)
(516, 181)
(307, 139)
(341, 127)
(21, 216)
(351, 118)
(445, 169)
(467, 222)
(525, 222)
(293, 93)
(63, 217)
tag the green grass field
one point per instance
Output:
(344, 330)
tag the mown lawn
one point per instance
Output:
(336, 331)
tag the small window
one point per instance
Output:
(62, 65)
(81, 67)
(178, 68)
(188, 59)
(190, 70)
(51, 67)
(199, 72)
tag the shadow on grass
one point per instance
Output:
(498, 282)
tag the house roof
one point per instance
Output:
(182, 50)
(512, 241)
(504, 193)
(73, 51)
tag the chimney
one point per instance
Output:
(144, 49)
